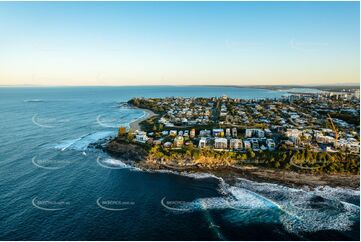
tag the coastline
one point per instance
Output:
(136, 156)
(232, 175)
(134, 125)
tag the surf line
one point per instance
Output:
(273, 203)
(208, 217)
(72, 142)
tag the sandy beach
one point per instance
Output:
(147, 114)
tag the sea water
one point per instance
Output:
(54, 186)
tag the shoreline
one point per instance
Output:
(134, 125)
(136, 156)
(232, 175)
(133, 155)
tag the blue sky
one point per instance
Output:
(154, 43)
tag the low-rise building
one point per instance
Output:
(247, 144)
(228, 132)
(141, 137)
(254, 133)
(220, 143)
(178, 141)
(218, 132)
(202, 143)
(255, 144)
(204, 133)
(270, 144)
(173, 132)
(235, 144)
(192, 133)
(234, 132)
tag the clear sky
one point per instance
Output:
(174, 43)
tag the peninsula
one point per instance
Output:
(303, 139)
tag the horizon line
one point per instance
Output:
(188, 85)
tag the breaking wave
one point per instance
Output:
(198, 175)
(246, 202)
(297, 210)
(112, 163)
(84, 141)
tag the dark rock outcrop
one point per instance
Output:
(126, 151)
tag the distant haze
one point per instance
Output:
(179, 43)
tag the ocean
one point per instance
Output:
(55, 186)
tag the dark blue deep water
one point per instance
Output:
(53, 186)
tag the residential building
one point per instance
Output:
(235, 144)
(173, 132)
(270, 144)
(218, 132)
(204, 133)
(178, 141)
(254, 133)
(234, 132)
(202, 143)
(192, 133)
(255, 144)
(247, 144)
(220, 143)
(141, 137)
(228, 132)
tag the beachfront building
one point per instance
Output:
(228, 132)
(247, 144)
(294, 135)
(234, 132)
(192, 133)
(178, 141)
(220, 143)
(204, 133)
(173, 132)
(270, 144)
(254, 133)
(324, 139)
(202, 142)
(255, 144)
(141, 136)
(235, 144)
(218, 132)
(167, 144)
(350, 144)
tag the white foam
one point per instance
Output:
(298, 210)
(199, 175)
(84, 141)
(116, 163)
(34, 100)
(308, 210)
(195, 175)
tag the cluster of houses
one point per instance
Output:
(185, 111)
(324, 138)
(219, 139)
(272, 115)
(254, 139)
(296, 124)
